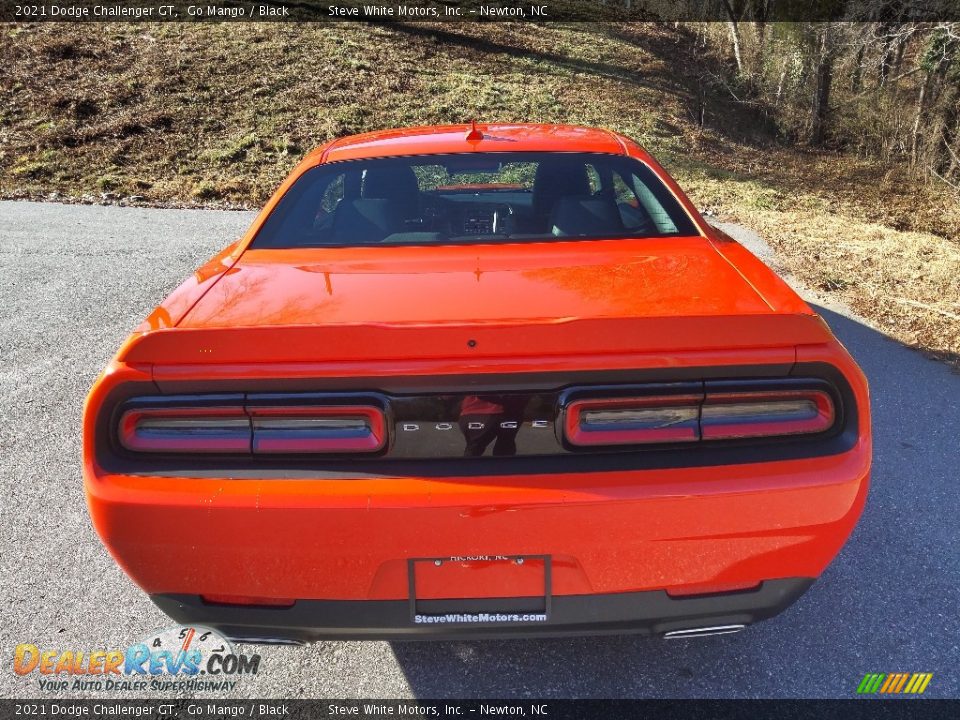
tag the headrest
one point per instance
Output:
(396, 182)
(554, 179)
(585, 215)
(368, 220)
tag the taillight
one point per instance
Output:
(759, 414)
(717, 414)
(261, 427)
(633, 420)
(186, 430)
(325, 429)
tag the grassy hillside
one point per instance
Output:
(217, 114)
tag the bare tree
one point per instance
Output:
(824, 56)
(890, 90)
(732, 24)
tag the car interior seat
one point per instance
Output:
(389, 196)
(366, 220)
(553, 180)
(585, 215)
(397, 183)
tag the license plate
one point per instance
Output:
(480, 589)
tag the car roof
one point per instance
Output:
(446, 139)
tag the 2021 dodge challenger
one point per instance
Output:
(478, 381)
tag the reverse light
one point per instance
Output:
(760, 414)
(318, 429)
(633, 420)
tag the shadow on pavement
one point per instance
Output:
(887, 603)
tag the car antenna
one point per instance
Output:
(474, 134)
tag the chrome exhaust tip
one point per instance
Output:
(703, 632)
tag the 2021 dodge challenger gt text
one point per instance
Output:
(474, 382)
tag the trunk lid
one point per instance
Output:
(542, 282)
(542, 298)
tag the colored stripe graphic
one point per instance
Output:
(918, 683)
(903, 680)
(894, 683)
(870, 683)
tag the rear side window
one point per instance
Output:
(639, 207)
(654, 208)
(474, 198)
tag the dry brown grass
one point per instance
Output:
(216, 115)
(843, 240)
(188, 113)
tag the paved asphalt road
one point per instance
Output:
(74, 280)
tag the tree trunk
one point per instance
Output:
(898, 56)
(939, 107)
(930, 134)
(760, 14)
(700, 108)
(953, 164)
(887, 56)
(824, 80)
(782, 81)
(917, 118)
(856, 77)
(951, 133)
(734, 35)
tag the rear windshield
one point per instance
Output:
(473, 198)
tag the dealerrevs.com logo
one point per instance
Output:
(173, 659)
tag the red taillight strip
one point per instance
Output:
(632, 420)
(186, 430)
(240, 429)
(318, 429)
(764, 414)
(723, 415)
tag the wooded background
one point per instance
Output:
(884, 90)
(837, 142)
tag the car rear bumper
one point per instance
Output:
(647, 551)
(651, 612)
(630, 546)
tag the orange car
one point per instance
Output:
(475, 382)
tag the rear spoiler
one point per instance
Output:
(470, 343)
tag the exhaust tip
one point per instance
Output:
(703, 632)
